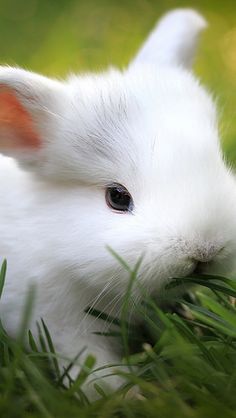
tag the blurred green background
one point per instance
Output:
(59, 36)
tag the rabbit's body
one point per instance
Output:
(151, 129)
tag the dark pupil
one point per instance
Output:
(119, 199)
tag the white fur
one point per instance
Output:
(151, 128)
(178, 32)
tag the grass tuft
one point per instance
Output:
(185, 367)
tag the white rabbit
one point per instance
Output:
(129, 159)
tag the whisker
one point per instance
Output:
(104, 309)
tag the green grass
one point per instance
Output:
(185, 367)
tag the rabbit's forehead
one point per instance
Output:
(138, 125)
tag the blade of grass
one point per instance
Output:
(86, 369)
(32, 342)
(211, 319)
(3, 276)
(51, 349)
(26, 315)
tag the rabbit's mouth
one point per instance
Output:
(201, 267)
(216, 261)
(213, 267)
(197, 268)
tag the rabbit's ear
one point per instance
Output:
(174, 39)
(27, 102)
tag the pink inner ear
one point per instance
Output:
(16, 125)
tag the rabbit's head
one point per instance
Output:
(133, 161)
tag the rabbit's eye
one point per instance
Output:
(118, 198)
